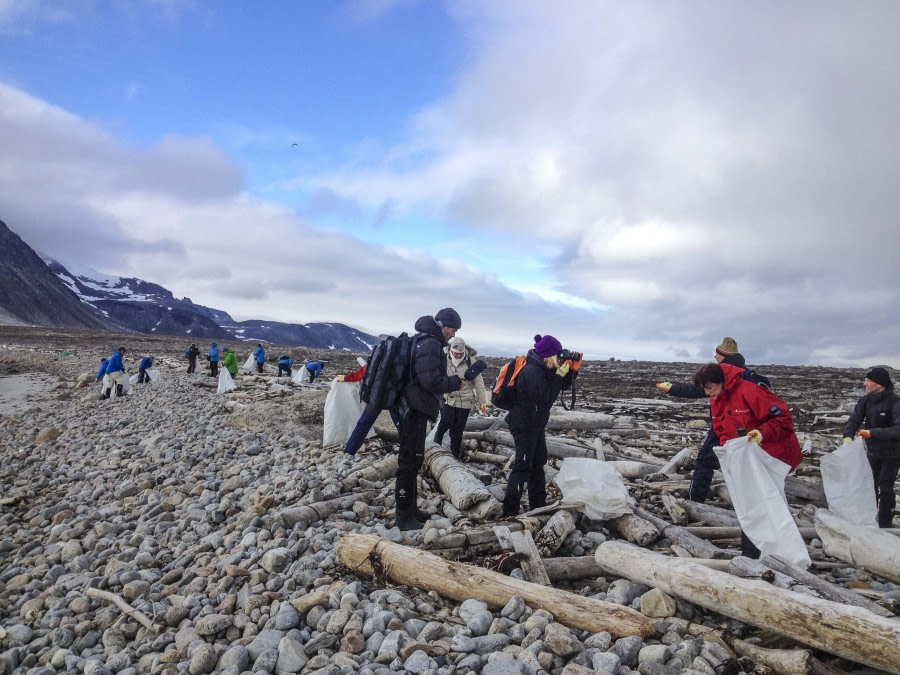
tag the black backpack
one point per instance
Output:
(756, 378)
(388, 371)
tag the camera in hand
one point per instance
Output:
(566, 355)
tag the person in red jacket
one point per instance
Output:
(739, 407)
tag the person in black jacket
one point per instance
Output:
(192, 353)
(879, 413)
(536, 388)
(420, 403)
(706, 462)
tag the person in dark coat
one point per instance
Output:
(537, 387)
(284, 365)
(315, 369)
(145, 365)
(876, 417)
(193, 353)
(420, 404)
(707, 462)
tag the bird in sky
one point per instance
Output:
(295, 145)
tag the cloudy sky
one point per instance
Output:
(639, 179)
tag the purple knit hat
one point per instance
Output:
(546, 346)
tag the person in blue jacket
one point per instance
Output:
(146, 363)
(260, 355)
(214, 360)
(115, 373)
(284, 365)
(102, 371)
(315, 369)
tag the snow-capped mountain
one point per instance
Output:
(38, 290)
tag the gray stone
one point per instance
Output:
(479, 622)
(606, 662)
(236, 657)
(267, 639)
(628, 649)
(212, 624)
(560, 640)
(291, 656)
(266, 662)
(419, 662)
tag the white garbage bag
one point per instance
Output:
(226, 383)
(301, 375)
(133, 379)
(755, 482)
(153, 374)
(849, 486)
(126, 384)
(342, 411)
(249, 364)
(596, 484)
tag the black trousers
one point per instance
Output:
(454, 420)
(284, 369)
(527, 470)
(214, 368)
(885, 471)
(413, 429)
(704, 466)
(192, 364)
(259, 366)
(143, 376)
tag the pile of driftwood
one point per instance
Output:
(685, 549)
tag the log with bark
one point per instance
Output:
(380, 470)
(635, 529)
(849, 632)
(304, 516)
(633, 470)
(709, 514)
(698, 548)
(464, 490)
(555, 447)
(866, 547)
(377, 557)
(560, 525)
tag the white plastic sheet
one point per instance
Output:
(596, 484)
(342, 411)
(226, 383)
(301, 375)
(849, 486)
(755, 482)
(249, 364)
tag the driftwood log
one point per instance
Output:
(135, 614)
(555, 447)
(709, 514)
(522, 543)
(848, 632)
(554, 533)
(560, 420)
(464, 490)
(304, 516)
(635, 529)
(372, 556)
(865, 547)
(632, 469)
(698, 548)
(380, 470)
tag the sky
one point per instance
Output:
(638, 179)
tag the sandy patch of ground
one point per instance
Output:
(19, 393)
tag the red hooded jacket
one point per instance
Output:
(745, 405)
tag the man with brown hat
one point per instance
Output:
(878, 412)
(706, 463)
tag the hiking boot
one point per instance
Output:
(424, 516)
(406, 520)
(106, 393)
(119, 388)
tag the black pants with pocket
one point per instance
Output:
(885, 471)
(452, 419)
(413, 429)
(527, 470)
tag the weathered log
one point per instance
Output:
(635, 529)
(697, 547)
(458, 581)
(304, 516)
(522, 543)
(748, 568)
(465, 491)
(632, 470)
(381, 470)
(848, 632)
(489, 457)
(552, 535)
(672, 466)
(135, 614)
(704, 532)
(797, 488)
(866, 547)
(709, 514)
(633, 453)
(563, 420)
(555, 447)
(825, 589)
(678, 515)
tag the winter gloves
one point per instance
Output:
(474, 370)
(664, 386)
(563, 370)
(755, 436)
(864, 433)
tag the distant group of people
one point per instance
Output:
(111, 372)
(230, 362)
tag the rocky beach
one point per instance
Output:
(177, 530)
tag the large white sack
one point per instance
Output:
(594, 483)
(342, 411)
(755, 483)
(249, 364)
(153, 374)
(133, 379)
(226, 383)
(301, 375)
(126, 383)
(849, 486)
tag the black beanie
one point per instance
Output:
(880, 376)
(448, 317)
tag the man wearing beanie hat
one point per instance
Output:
(536, 388)
(876, 418)
(706, 463)
(420, 403)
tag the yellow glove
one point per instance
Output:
(664, 386)
(340, 378)
(755, 436)
(846, 440)
(483, 408)
(563, 370)
(865, 433)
